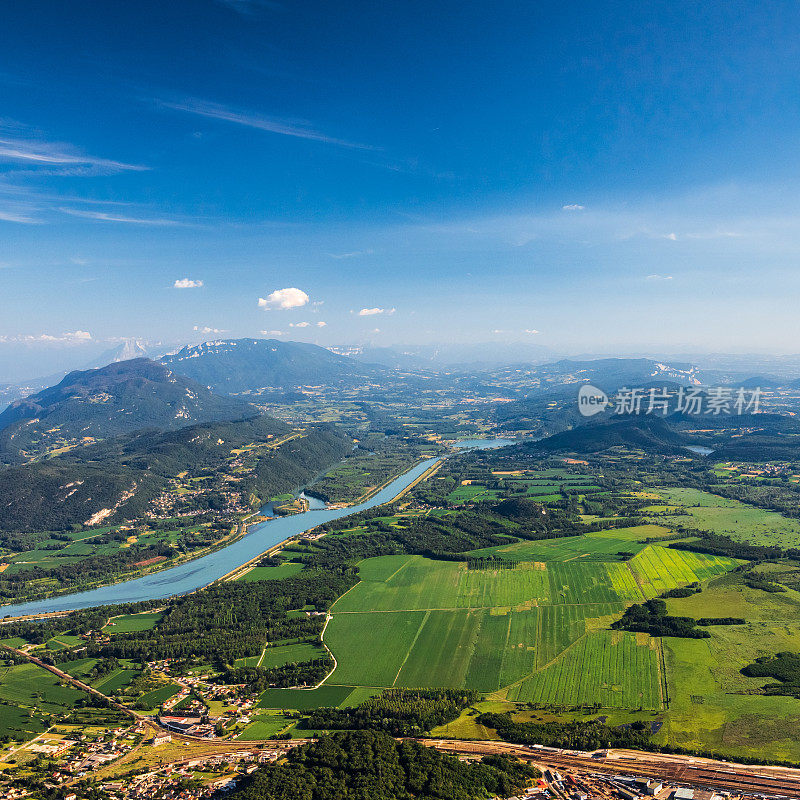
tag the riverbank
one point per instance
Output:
(257, 540)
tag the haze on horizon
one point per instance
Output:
(598, 179)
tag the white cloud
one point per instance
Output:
(187, 283)
(659, 277)
(300, 129)
(12, 215)
(354, 254)
(69, 337)
(531, 331)
(376, 330)
(104, 216)
(299, 324)
(271, 333)
(206, 329)
(371, 312)
(284, 299)
(671, 236)
(573, 207)
(54, 154)
(321, 324)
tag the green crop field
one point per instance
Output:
(132, 623)
(286, 570)
(611, 668)
(658, 569)
(32, 687)
(305, 699)
(118, 679)
(539, 626)
(265, 726)
(289, 654)
(741, 522)
(713, 705)
(156, 697)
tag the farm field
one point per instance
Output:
(532, 626)
(289, 654)
(286, 570)
(265, 726)
(658, 569)
(132, 623)
(156, 697)
(543, 485)
(719, 515)
(711, 702)
(30, 687)
(614, 669)
(304, 699)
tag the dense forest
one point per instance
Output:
(369, 765)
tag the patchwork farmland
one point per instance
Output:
(535, 631)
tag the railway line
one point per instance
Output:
(699, 773)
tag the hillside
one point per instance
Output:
(647, 433)
(124, 474)
(248, 365)
(98, 403)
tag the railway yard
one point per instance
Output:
(623, 773)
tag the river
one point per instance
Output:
(201, 571)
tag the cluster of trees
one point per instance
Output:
(592, 735)
(765, 586)
(721, 621)
(370, 764)
(257, 679)
(785, 667)
(400, 712)
(651, 617)
(684, 591)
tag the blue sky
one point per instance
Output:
(590, 176)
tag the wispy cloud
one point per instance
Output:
(15, 214)
(188, 283)
(206, 329)
(300, 129)
(659, 277)
(354, 254)
(69, 337)
(372, 312)
(33, 152)
(573, 207)
(104, 216)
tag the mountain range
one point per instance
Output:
(248, 365)
(118, 398)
